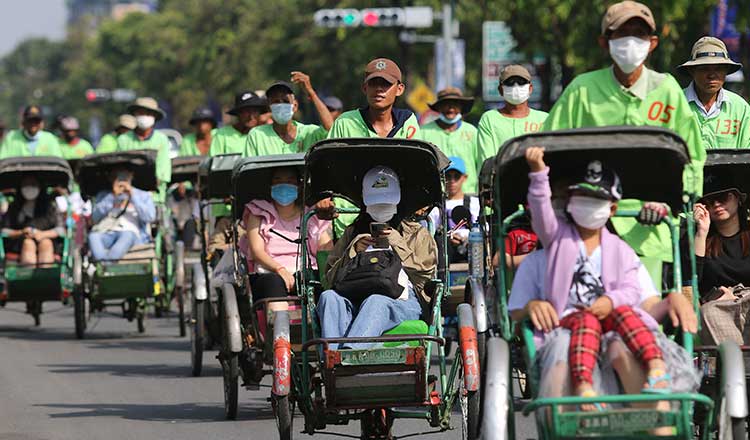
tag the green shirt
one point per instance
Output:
(461, 142)
(157, 141)
(263, 140)
(730, 127)
(494, 129)
(227, 140)
(16, 144)
(107, 144)
(597, 99)
(189, 145)
(77, 151)
(350, 124)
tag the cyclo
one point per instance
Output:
(185, 172)
(335, 386)
(37, 283)
(650, 163)
(142, 276)
(247, 323)
(214, 191)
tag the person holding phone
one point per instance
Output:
(120, 217)
(372, 314)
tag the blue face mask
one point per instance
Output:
(284, 193)
(450, 121)
(282, 112)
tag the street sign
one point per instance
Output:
(498, 51)
(458, 64)
(419, 98)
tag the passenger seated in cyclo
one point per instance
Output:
(273, 230)
(461, 210)
(384, 250)
(595, 298)
(121, 218)
(183, 203)
(32, 223)
(722, 251)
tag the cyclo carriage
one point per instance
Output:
(214, 193)
(650, 163)
(380, 384)
(184, 172)
(143, 276)
(42, 282)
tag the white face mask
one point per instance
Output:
(589, 212)
(30, 192)
(382, 212)
(516, 94)
(629, 52)
(144, 122)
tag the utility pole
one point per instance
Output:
(448, 41)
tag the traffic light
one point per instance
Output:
(337, 17)
(97, 95)
(382, 17)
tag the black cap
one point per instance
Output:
(203, 114)
(599, 182)
(247, 99)
(282, 84)
(32, 112)
(715, 183)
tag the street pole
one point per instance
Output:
(448, 42)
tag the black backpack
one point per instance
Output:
(370, 273)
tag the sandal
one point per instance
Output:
(653, 378)
(591, 393)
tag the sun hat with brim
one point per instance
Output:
(127, 121)
(147, 103)
(203, 114)
(715, 184)
(599, 182)
(247, 99)
(710, 51)
(453, 94)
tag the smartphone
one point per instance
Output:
(377, 228)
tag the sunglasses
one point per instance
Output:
(721, 198)
(515, 82)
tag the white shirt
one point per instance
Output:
(690, 95)
(462, 233)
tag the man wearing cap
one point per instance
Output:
(723, 116)
(198, 143)
(629, 93)
(334, 105)
(453, 135)
(147, 112)
(72, 145)
(31, 139)
(286, 135)
(108, 142)
(513, 119)
(248, 109)
(382, 85)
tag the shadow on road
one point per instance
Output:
(182, 412)
(133, 370)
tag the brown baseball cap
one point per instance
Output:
(619, 13)
(512, 70)
(383, 68)
(32, 112)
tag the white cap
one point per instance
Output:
(380, 185)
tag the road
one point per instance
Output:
(118, 384)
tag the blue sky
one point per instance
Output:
(21, 19)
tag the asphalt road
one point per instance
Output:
(118, 384)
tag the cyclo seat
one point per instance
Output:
(140, 253)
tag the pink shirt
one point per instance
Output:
(283, 251)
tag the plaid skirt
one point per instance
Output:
(726, 320)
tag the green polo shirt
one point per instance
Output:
(727, 128)
(227, 140)
(157, 141)
(350, 125)
(263, 140)
(17, 144)
(189, 145)
(461, 142)
(107, 144)
(77, 151)
(596, 99)
(494, 129)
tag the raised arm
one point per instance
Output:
(326, 119)
(543, 219)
